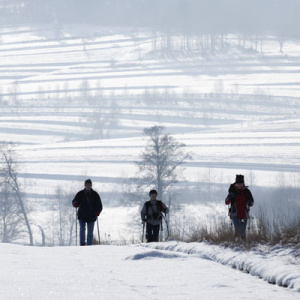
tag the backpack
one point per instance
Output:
(156, 216)
(232, 206)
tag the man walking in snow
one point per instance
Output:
(241, 200)
(90, 207)
(151, 215)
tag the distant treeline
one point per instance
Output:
(279, 17)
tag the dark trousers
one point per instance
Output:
(90, 230)
(240, 227)
(152, 232)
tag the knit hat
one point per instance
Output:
(88, 181)
(152, 192)
(239, 179)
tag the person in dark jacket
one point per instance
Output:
(90, 207)
(241, 200)
(151, 216)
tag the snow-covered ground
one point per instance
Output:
(278, 265)
(124, 272)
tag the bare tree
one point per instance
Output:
(281, 41)
(14, 91)
(9, 171)
(43, 235)
(85, 90)
(58, 30)
(99, 121)
(61, 232)
(66, 221)
(103, 119)
(9, 213)
(161, 159)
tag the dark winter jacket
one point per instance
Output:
(240, 200)
(89, 205)
(151, 212)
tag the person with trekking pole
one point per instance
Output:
(151, 215)
(240, 200)
(89, 207)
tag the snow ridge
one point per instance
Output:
(277, 266)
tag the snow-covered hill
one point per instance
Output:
(36, 62)
(57, 93)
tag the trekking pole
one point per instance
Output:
(249, 222)
(249, 217)
(229, 215)
(143, 233)
(98, 230)
(167, 225)
(161, 229)
(76, 214)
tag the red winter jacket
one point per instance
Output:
(240, 200)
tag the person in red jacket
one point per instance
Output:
(241, 200)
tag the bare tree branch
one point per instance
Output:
(161, 159)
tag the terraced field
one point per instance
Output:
(76, 107)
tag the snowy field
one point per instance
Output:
(37, 61)
(237, 111)
(125, 272)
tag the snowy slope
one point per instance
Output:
(117, 273)
(278, 265)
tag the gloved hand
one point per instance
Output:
(75, 204)
(97, 213)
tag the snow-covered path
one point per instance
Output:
(123, 272)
